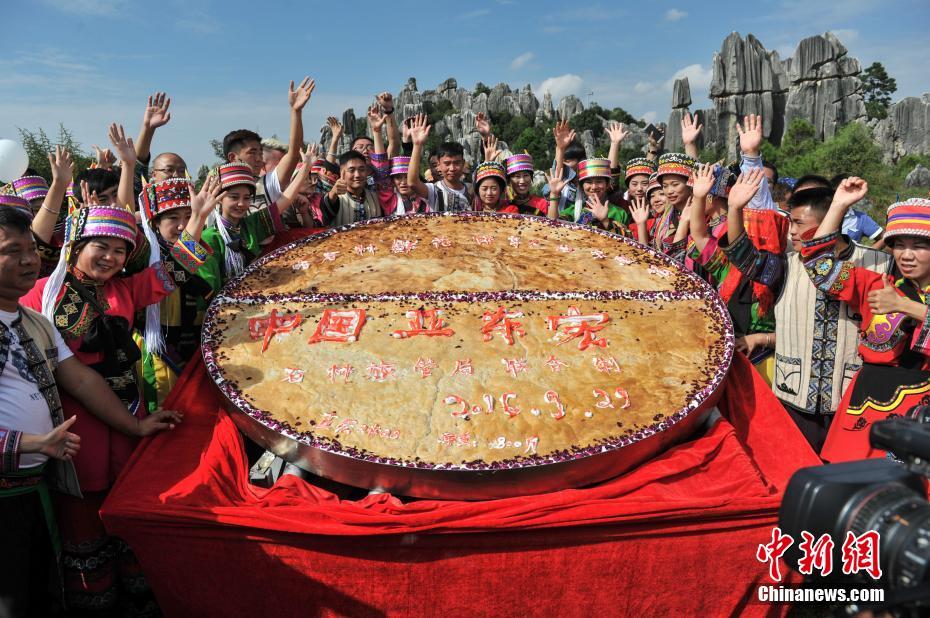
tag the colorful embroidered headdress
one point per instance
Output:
(164, 195)
(490, 169)
(232, 174)
(909, 218)
(653, 184)
(519, 163)
(31, 188)
(400, 166)
(637, 166)
(676, 163)
(593, 168)
(15, 201)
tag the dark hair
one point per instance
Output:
(817, 198)
(236, 140)
(812, 179)
(331, 167)
(352, 155)
(355, 141)
(15, 219)
(779, 192)
(97, 179)
(772, 167)
(836, 180)
(575, 152)
(450, 149)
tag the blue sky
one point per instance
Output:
(227, 64)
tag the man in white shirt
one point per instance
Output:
(34, 363)
(448, 193)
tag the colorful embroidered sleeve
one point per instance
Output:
(675, 250)
(618, 214)
(610, 225)
(260, 226)
(835, 277)
(762, 200)
(760, 266)
(151, 285)
(712, 259)
(9, 450)
(190, 253)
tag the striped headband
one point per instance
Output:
(232, 174)
(31, 188)
(96, 221)
(519, 163)
(400, 165)
(909, 218)
(490, 169)
(639, 166)
(15, 201)
(594, 168)
(164, 195)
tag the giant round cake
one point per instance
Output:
(468, 355)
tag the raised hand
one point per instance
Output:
(386, 102)
(690, 128)
(88, 197)
(745, 188)
(205, 200)
(60, 443)
(419, 130)
(105, 158)
(490, 148)
(639, 210)
(158, 421)
(750, 135)
(62, 165)
(334, 126)
(156, 112)
(298, 98)
(563, 134)
(850, 191)
(555, 184)
(703, 180)
(598, 208)
(375, 119)
(122, 144)
(311, 154)
(616, 131)
(482, 125)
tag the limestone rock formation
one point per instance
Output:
(906, 130)
(918, 177)
(825, 86)
(569, 107)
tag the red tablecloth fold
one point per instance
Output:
(679, 533)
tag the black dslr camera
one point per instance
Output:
(888, 496)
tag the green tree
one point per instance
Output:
(877, 88)
(39, 145)
(481, 87)
(217, 146)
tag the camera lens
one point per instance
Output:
(902, 519)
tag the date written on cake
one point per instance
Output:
(346, 425)
(554, 406)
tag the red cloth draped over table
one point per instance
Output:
(678, 534)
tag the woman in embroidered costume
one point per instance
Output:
(594, 182)
(895, 329)
(490, 185)
(670, 233)
(520, 183)
(237, 236)
(94, 308)
(395, 194)
(173, 217)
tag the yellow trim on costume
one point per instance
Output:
(900, 393)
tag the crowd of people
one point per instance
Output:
(105, 278)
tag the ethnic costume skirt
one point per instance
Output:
(876, 393)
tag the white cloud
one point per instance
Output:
(561, 85)
(674, 15)
(521, 60)
(650, 116)
(698, 77)
(643, 87)
(846, 35)
(476, 14)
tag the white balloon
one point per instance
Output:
(13, 160)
